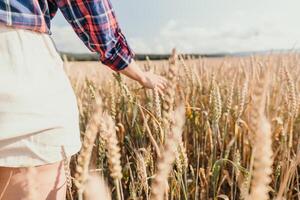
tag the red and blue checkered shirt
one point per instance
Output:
(94, 21)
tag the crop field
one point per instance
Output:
(225, 128)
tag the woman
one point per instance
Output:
(38, 109)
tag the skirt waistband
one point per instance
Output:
(27, 38)
(5, 28)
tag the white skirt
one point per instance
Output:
(38, 108)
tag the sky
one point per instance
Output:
(198, 26)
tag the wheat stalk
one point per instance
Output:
(67, 171)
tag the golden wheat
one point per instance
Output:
(240, 139)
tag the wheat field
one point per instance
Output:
(225, 128)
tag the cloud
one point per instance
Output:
(233, 36)
(241, 31)
(66, 40)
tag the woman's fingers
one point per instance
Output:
(157, 81)
(160, 91)
(163, 81)
(161, 86)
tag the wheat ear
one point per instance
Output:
(84, 156)
(262, 147)
(108, 133)
(167, 158)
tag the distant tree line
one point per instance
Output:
(95, 57)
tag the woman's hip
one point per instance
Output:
(35, 92)
(29, 62)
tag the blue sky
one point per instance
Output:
(199, 26)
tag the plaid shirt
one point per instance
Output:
(94, 21)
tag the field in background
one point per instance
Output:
(226, 128)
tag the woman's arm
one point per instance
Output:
(95, 23)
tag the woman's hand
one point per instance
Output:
(147, 79)
(151, 81)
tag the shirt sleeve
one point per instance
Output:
(95, 23)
